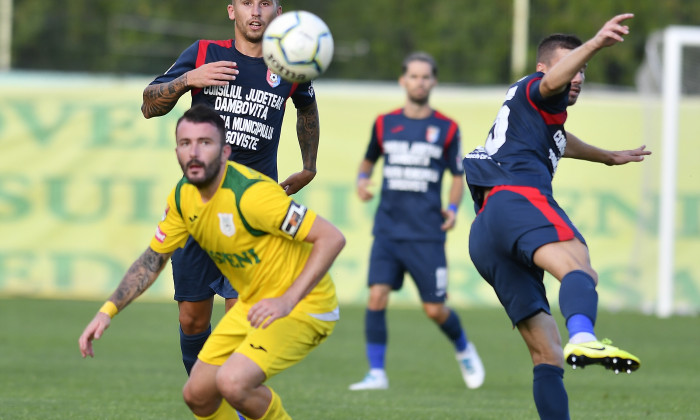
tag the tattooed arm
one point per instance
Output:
(308, 135)
(142, 273)
(161, 98)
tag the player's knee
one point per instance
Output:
(378, 297)
(436, 312)
(196, 400)
(194, 323)
(235, 392)
(594, 275)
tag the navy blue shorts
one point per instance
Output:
(196, 276)
(513, 223)
(425, 261)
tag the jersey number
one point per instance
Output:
(497, 135)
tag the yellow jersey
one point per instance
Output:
(252, 230)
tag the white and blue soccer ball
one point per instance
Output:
(297, 46)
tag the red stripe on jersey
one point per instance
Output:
(450, 134)
(291, 92)
(549, 119)
(293, 89)
(380, 131)
(450, 131)
(537, 199)
(380, 126)
(202, 54)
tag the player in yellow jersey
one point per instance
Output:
(275, 251)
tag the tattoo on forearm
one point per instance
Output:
(142, 273)
(308, 134)
(160, 99)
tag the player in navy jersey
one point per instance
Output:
(231, 77)
(418, 145)
(520, 231)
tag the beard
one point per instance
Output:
(250, 36)
(210, 172)
(419, 100)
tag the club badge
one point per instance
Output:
(273, 79)
(226, 224)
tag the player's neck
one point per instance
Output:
(208, 191)
(417, 111)
(251, 49)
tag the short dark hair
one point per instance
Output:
(419, 56)
(554, 42)
(204, 114)
(277, 2)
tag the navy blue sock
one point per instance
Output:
(452, 328)
(577, 295)
(376, 337)
(190, 345)
(548, 389)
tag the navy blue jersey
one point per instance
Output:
(525, 143)
(252, 106)
(416, 154)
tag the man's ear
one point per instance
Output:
(231, 12)
(225, 152)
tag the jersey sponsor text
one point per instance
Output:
(246, 258)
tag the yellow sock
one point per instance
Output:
(275, 411)
(224, 412)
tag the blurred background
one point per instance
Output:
(473, 40)
(84, 177)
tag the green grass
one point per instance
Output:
(137, 373)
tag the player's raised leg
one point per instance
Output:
(578, 301)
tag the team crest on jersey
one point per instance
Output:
(226, 224)
(273, 79)
(432, 133)
(292, 221)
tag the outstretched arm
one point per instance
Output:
(327, 242)
(142, 273)
(308, 134)
(161, 98)
(578, 149)
(558, 77)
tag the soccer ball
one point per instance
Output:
(297, 46)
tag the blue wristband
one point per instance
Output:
(452, 207)
(362, 175)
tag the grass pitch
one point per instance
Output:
(137, 372)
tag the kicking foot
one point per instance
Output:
(602, 353)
